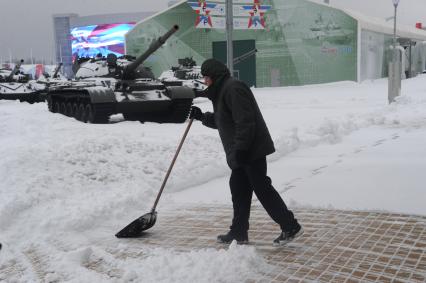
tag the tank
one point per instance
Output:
(106, 86)
(187, 73)
(15, 85)
(52, 77)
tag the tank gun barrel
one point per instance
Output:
(15, 69)
(155, 45)
(55, 74)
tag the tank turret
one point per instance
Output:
(14, 71)
(187, 62)
(186, 74)
(58, 68)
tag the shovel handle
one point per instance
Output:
(172, 164)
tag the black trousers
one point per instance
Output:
(243, 182)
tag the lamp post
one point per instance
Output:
(395, 4)
(394, 81)
(229, 39)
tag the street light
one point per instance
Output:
(229, 37)
(394, 80)
(395, 4)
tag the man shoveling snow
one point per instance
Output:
(247, 142)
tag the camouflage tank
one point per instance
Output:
(106, 86)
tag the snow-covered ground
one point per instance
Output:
(67, 187)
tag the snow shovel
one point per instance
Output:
(148, 220)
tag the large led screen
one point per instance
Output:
(89, 41)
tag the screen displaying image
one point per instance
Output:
(89, 41)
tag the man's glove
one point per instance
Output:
(241, 156)
(196, 113)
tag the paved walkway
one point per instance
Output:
(337, 246)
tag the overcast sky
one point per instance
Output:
(26, 25)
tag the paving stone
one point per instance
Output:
(337, 246)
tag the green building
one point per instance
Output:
(303, 43)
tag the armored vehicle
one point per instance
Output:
(106, 86)
(15, 85)
(187, 73)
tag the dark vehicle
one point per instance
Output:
(186, 64)
(107, 86)
(15, 85)
(186, 74)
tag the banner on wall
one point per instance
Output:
(247, 14)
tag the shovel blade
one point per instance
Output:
(135, 229)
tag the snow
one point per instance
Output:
(67, 187)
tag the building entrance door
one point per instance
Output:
(245, 70)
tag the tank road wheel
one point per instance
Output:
(50, 105)
(69, 109)
(75, 111)
(56, 107)
(81, 115)
(97, 114)
(63, 108)
(30, 99)
(88, 113)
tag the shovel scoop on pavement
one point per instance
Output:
(146, 221)
(139, 225)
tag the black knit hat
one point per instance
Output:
(214, 69)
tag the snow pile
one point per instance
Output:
(67, 187)
(206, 265)
(94, 264)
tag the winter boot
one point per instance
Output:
(241, 238)
(288, 236)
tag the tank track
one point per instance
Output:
(100, 113)
(34, 97)
(80, 107)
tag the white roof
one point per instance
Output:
(380, 25)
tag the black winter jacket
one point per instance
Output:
(239, 121)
